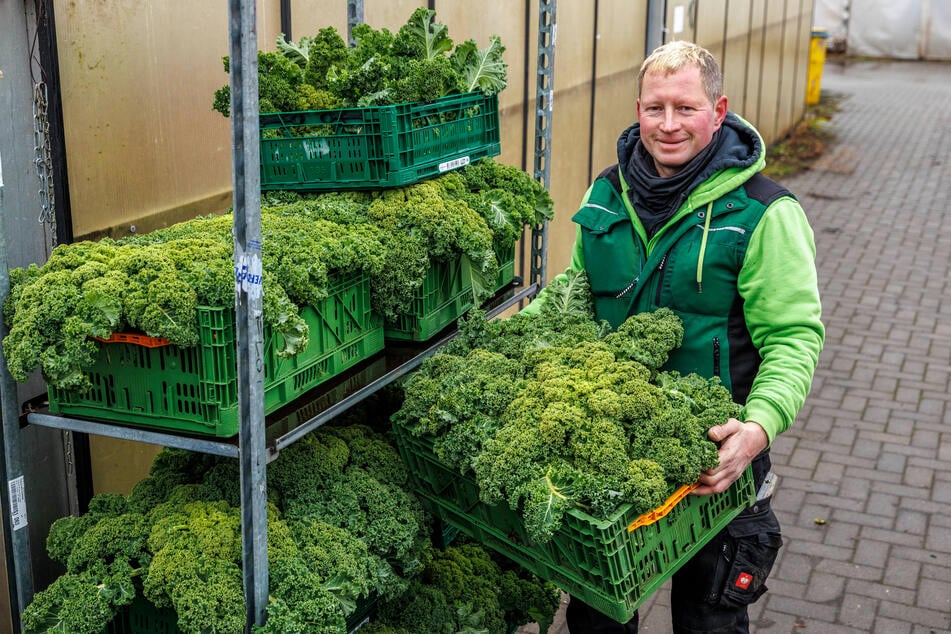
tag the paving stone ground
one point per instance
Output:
(865, 473)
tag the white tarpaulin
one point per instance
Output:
(902, 29)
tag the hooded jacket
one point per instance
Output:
(734, 257)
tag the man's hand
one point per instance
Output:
(739, 444)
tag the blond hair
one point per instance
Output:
(674, 56)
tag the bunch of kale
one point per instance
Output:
(553, 412)
(418, 63)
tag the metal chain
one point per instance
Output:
(43, 160)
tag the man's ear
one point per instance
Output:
(719, 110)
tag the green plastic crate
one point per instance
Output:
(600, 562)
(506, 259)
(195, 389)
(446, 294)
(142, 617)
(379, 146)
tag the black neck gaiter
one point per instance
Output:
(656, 198)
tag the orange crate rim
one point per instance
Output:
(650, 517)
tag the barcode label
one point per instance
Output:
(17, 503)
(453, 164)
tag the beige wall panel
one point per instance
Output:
(569, 171)
(622, 26)
(754, 65)
(738, 18)
(736, 56)
(571, 113)
(785, 113)
(119, 464)
(802, 74)
(614, 113)
(138, 81)
(621, 41)
(512, 127)
(309, 16)
(389, 14)
(126, 101)
(767, 122)
(573, 44)
(711, 21)
(474, 20)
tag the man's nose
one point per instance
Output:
(670, 121)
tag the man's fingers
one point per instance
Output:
(718, 432)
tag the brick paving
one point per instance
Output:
(865, 473)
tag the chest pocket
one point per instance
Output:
(612, 254)
(702, 278)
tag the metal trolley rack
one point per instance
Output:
(256, 443)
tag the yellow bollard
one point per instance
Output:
(817, 58)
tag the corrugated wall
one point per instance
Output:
(145, 149)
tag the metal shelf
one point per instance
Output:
(291, 423)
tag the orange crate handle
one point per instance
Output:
(139, 340)
(652, 516)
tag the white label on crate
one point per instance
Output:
(17, 503)
(453, 164)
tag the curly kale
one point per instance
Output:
(196, 566)
(416, 64)
(328, 481)
(506, 197)
(371, 451)
(417, 226)
(301, 601)
(460, 400)
(466, 589)
(588, 423)
(105, 552)
(50, 323)
(350, 533)
(75, 603)
(307, 465)
(281, 87)
(648, 338)
(155, 283)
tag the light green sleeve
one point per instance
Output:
(779, 285)
(576, 265)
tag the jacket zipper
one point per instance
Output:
(660, 279)
(716, 356)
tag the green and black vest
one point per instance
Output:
(691, 266)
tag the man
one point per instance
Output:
(685, 220)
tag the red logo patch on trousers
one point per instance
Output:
(744, 580)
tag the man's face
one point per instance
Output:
(676, 116)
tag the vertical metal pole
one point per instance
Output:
(593, 103)
(249, 291)
(656, 25)
(544, 97)
(286, 20)
(13, 494)
(354, 17)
